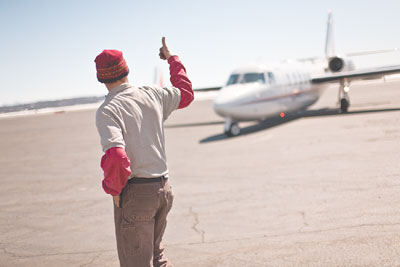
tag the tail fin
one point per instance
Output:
(329, 44)
(158, 77)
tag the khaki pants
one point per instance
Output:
(140, 224)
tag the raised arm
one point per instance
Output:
(178, 75)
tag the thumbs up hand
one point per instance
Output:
(164, 51)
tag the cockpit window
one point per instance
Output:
(234, 78)
(246, 78)
(253, 77)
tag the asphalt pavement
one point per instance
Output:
(319, 188)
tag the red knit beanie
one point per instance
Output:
(111, 66)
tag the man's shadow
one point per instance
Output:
(277, 121)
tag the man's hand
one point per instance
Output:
(164, 52)
(116, 201)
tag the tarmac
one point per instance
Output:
(313, 189)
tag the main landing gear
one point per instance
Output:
(343, 97)
(231, 128)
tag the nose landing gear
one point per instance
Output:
(231, 128)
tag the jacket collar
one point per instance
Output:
(118, 89)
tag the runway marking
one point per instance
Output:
(199, 96)
(57, 110)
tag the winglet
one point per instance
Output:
(329, 44)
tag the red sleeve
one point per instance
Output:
(180, 80)
(116, 166)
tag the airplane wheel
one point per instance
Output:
(344, 105)
(234, 130)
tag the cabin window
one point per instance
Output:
(234, 78)
(299, 79)
(289, 81)
(293, 78)
(271, 78)
(253, 77)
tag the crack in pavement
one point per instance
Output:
(10, 253)
(305, 224)
(14, 255)
(91, 261)
(201, 232)
(287, 234)
(303, 215)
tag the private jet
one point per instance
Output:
(260, 92)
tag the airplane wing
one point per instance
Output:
(363, 74)
(363, 53)
(207, 89)
(353, 54)
(310, 59)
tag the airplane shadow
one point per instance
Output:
(273, 122)
(194, 124)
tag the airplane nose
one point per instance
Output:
(222, 109)
(227, 101)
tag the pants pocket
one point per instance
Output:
(136, 241)
(129, 237)
(140, 208)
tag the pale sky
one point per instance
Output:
(48, 47)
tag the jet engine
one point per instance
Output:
(337, 64)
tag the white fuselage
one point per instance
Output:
(258, 92)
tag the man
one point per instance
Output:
(130, 124)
